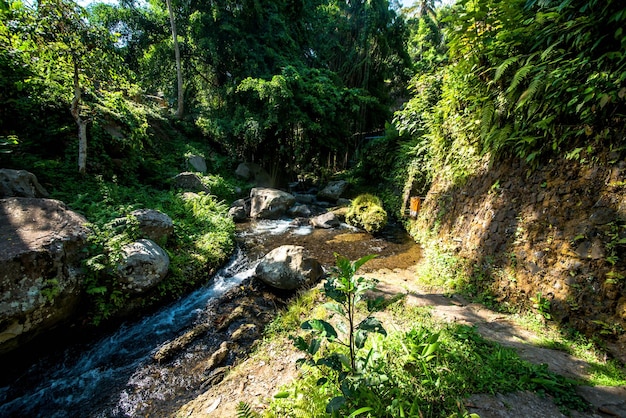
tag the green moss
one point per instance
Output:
(367, 212)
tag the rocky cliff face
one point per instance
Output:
(41, 279)
(558, 231)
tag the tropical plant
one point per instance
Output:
(358, 367)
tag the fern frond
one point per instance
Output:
(503, 67)
(519, 76)
(245, 411)
(548, 50)
(486, 121)
(528, 94)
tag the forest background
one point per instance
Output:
(104, 103)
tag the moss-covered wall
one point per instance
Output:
(558, 230)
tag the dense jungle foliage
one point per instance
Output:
(387, 97)
(105, 102)
(310, 87)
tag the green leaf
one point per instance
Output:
(331, 291)
(300, 343)
(360, 338)
(321, 327)
(360, 411)
(282, 395)
(335, 307)
(314, 346)
(358, 263)
(430, 349)
(371, 324)
(332, 362)
(335, 404)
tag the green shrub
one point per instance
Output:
(367, 212)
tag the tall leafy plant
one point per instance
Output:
(350, 371)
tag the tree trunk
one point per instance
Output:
(82, 124)
(179, 71)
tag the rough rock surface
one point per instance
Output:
(239, 210)
(288, 267)
(197, 163)
(325, 220)
(20, 183)
(40, 267)
(302, 211)
(189, 182)
(557, 231)
(333, 190)
(269, 203)
(154, 225)
(143, 266)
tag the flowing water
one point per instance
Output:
(117, 375)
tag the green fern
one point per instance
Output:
(245, 411)
(536, 84)
(486, 121)
(504, 66)
(519, 76)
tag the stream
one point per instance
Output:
(117, 375)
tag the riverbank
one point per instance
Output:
(272, 365)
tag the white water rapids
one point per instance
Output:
(89, 385)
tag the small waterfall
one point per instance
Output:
(77, 385)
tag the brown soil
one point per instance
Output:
(257, 378)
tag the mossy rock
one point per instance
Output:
(367, 212)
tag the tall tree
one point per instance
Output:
(71, 40)
(179, 71)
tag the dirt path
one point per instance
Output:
(260, 376)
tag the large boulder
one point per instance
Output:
(255, 174)
(154, 225)
(269, 203)
(367, 212)
(333, 190)
(288, 268)
(20, 183)
(144, 264)
(41, 254)
(190, 182)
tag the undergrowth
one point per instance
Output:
(424, 369)
(426, 372)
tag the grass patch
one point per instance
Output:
(424, 368)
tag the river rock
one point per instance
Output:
(144, 264)
(239, 210)
(326, 220)
(20, 183)
(269, 203)
(301, 211)
(218, 356)
(254, 173)
(305, 198)
(333, 190)
(190, 182)
(154, 225)
(197, 163)
(288, 268)
(41, 278)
